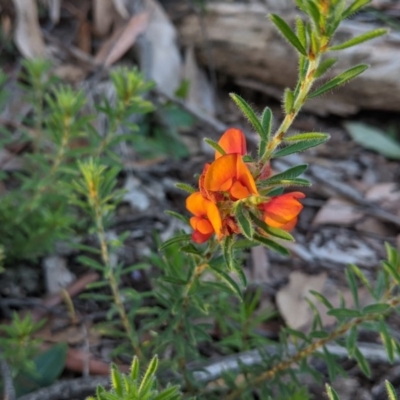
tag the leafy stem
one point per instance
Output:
(304, 89)
(312, 348)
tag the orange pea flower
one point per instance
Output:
(228, 173)
(206, 220)
(282, 211)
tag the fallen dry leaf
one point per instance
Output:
(296, 312)
(387, 195)
(291, 299)
(122, 40)
(28, 36)
(337, 211)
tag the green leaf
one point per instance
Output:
(135, 369)
(354, 7)
(322, 299)
(266, 124)
(390, 390)
(148, 376)
(290, 182)
(190, 248)
(301, 32)
(387, 340)
(215, 146)
(276, 232)
(304, 137)
(351, 279)
(248, 112)
(298, 147)
(287, 33)
(290, 173)
(288, 100)
(178, 216)
(351, 341)
(339, 80)
(176, 239)
(314, 13)
(331, 393)
(185, 187)
(344, 313)
(325, 66)
(116, 380)
(392, 271)
(91, 263)
(359, 39)
(271, 244)
(374, 139)
(233, 286)
(243, 220)
(174, 280)
(49, 366)
(376, 308)
(362, 363)
(227, 250)
(168, 393)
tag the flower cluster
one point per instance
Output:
(229, 180)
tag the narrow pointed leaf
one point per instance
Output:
(290, 173)
(390, 390)
(301, 32)
(287, 33)
(362, 363)
(248, 112)
(354, 7)
(325, 66)
(271, 244)
(342, 78)
(288, 101)
(243, 220)
(215, 145)
(178, 216)
(331, 393)
(176, 239)
(185, 187)
(134, 374)
(266, 123)
(301, 137)
(149, 375)
(359, 39)
(233, 286)
(227, 250)
(298, 147)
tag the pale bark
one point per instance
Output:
(245, 44)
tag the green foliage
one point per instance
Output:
(132, 387)
(31, 370)
(62, 133)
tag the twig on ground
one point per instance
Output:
(6, 375)
(69, 389)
